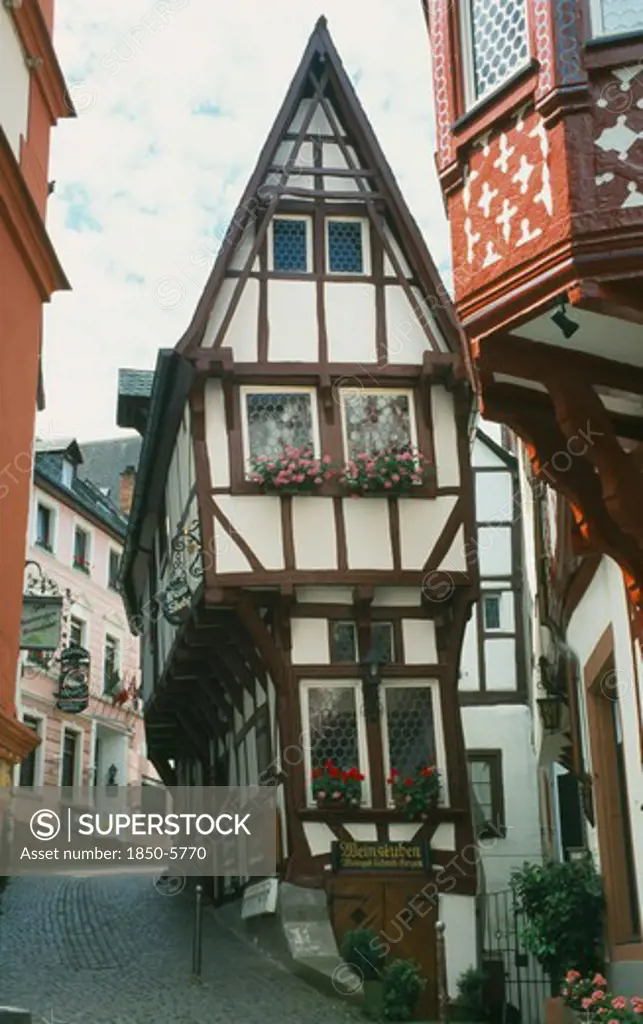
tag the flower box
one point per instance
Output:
(416, 795)
(587, 999)
(294, 471)
(335, 788)
(388, 473)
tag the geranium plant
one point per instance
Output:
(295, 470)
(336, 787)
(391, 470)
(416, 794)
(588, 996)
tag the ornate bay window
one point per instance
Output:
(375, 419)
(495, 44)
(616, 17)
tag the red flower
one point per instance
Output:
(426, 772)
(317, 773)
(408, 782)
(334, 772)
(394, 773)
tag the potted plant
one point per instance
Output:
(403, 987)
(390, 471)
(295, 471)
(563, 907)
(337, 787)
(587, 997)
(470, 1002)
(363, 952)
(416, 794)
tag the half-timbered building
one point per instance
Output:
(311, 609)
(539, 137)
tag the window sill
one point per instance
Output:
(490, 99)
(82, 568)
(42, 545)
(334, 490)
(382, 815)
(596, 42)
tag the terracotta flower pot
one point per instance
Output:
(557, 1013)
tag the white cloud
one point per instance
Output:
(150, 177)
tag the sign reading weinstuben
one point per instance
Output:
(41, 623)
(373, 856)
(193, 830)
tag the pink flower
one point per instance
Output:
(586, 1003)
(395, 478)
(327, 460)
(620, 1003)
(318, 480)
(598, 979)
(388, 484)
(597, 996)
(336, 794)
(322, 794)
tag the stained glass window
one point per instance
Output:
(289, 246)
(410, 729)
(345, 247)
(332, 724)
(277, 420)
(620, 16)
(375, 422)
(343, 642)
(500, 41)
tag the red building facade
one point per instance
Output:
(32, 99)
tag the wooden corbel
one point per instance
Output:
(327, 396)
(362, 601)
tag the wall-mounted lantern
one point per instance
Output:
(371, 680)
(551, 709)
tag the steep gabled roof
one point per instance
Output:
(321, 75)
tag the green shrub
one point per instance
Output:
(471, 993)
(403, 986)
(563, 904)
(363, 950)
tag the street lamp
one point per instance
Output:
(371, 679)
(551, 708)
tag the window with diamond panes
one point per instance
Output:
(289, 245)
(332, 725)
(277, 420)
(409, 726)
(345, 254)
(499, 41)
(343, 642)
(375, 422)
(382, 638)
(616, 17)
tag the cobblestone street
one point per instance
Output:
(112, 950)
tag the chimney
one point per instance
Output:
(126, 489)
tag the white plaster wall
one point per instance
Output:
(310, 644)
(494, 550)
(458, 913)
(292, 316)
(456, 557)
(418, 637)
(469, 672)
(350, 322)
(258, 521)
(319, 837)
(314, 531)
(216, 435)
(229, 556)
(508, 728)
(445, 438)
(241, 335)
(494, 497)
(604, 601)
(368, 537)
(500, 664)
(421, 524)
(397, 597)
(389, 270)
(405, 335)
(14, 94)
(362, 832)
(324, 595)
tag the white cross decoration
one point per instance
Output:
(635, 198)
(523, 174)
(540, 133)
(486, 199)
(483, 142)
(520, 117)
(504, 219)
(545, 195)
(527, 235)
(469, 177)
(620, 138)
(604, 179)
(472, 239)
(492, 256)
(506, 151)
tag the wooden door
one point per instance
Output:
(386, 908)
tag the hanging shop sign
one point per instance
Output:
(40, 623)
(374, 856)
(185, 564)
(73, 688)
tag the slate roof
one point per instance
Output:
(104, 461)
(135, 383)
(85, 494)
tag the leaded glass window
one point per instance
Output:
(344, 647)
(499, 41)
(481, 786)
(617, 17)
(332, 725)
(289, 244)
(277, 420)
(409, 727)
(345, 254)
(376, 421)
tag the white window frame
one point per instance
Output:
(39, 761)
(440, 751)
(112, 549)
(286, 389)
(84, 628)
(53, 511)
(597, 22)
(468, 60)
(379, 391)
(118, 661)
(80, 524)
(366, 246)
(305, 687)
(308, 220)
(78, 767)
(67, 473)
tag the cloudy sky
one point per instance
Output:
(173, 109)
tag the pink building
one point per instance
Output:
(76, 538)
